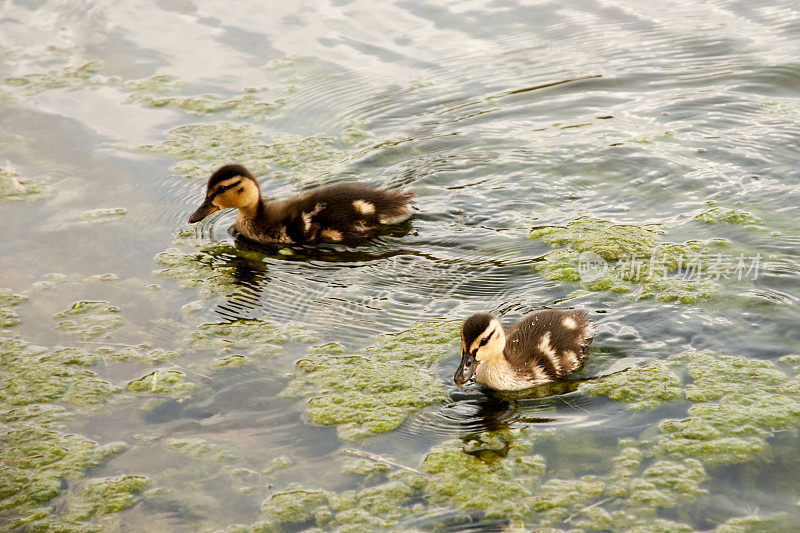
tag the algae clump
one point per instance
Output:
(89, 320)
(257, 338)
(738, 402)
(8, 299)
(735, 403)
(202, 449)
(86, 76)
(37, 452)
(13, 189)
(105, 496)
(202, 146)
(606, 239)
(727, 215)
(106, 214)
(374, 392)
(205, 268)
(169, 382)
(642, 388)
(154, 92)
(475, 480)
(34, 374)
(604, 256)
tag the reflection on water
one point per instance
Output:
(501, 116)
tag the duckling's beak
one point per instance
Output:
(466, 368)
(203, 211)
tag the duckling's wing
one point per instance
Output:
(554, 340)
(351, 210)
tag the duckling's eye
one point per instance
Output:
(485, 339)
(240, 189)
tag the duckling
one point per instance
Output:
(543, 346)
(333, 213)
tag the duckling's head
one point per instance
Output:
(482, 339)
(230, 186)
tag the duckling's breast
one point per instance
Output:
(500, 375)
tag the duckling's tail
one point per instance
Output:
(399, 208)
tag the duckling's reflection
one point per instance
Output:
(247, 263)
(502, 410)
(362, 250)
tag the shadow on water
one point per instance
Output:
(476, 409)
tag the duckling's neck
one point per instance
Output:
(248, 218)
(251, 211)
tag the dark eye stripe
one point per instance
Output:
(486, 339)
(221, 190)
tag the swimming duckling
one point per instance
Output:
(334, 213)
(543, 346)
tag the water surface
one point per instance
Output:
(502, 116)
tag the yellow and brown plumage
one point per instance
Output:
(333, 213)
(542, 347)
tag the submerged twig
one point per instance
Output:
(190, 371)
(22, 459)
(596, 504)
(107, 343)
(12, 173)
(381, 459)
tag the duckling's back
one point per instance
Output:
(345, 211)
(553, 340)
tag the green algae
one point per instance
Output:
(735, 405)
(8, 299)
(374, 392)
(204, 268)
(500, 482)
(256, 338)
(377, 507)
(202, 449)
(278, 463)
(105, 496)
(14, 189)
(606, 239)
(603, 256)
(201, 147)
(363, 467)
(37, 452)
(33, 374)
(86, 76)
(727, 215)
(169, 382)
(468, 480)
(89, 319)
(645, 387)
(232, 361)
(738, 403)
(295, 506)
(142, 353)
(158, 91)
(103, 215)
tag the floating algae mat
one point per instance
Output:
(201, 147)
(159, 91)
(375, 392)
(156, 377)
(734, 406)
(604, 256)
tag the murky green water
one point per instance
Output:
(156, 377)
